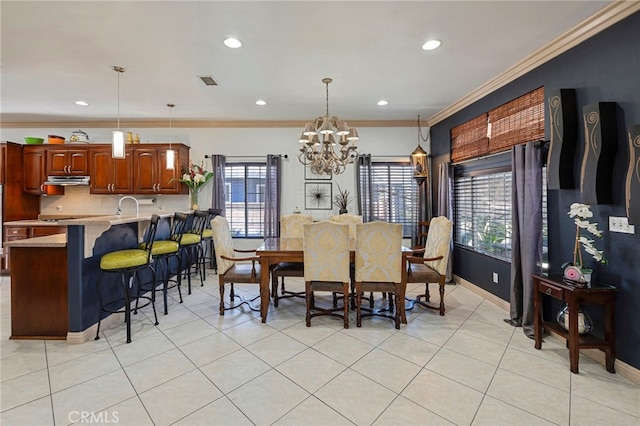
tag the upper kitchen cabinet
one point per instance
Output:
(150, 173)
(34, 172)
(67, 161)
(110, 175)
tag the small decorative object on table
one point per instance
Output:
(194, 178)
(584, 322)
(342, 200)
(576, 273)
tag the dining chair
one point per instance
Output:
(233, 269)
(350, 219)
(290, 227)
(378, 266)
(431, 267)
(421, 235)
(326, 266)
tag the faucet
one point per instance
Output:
(119, 209)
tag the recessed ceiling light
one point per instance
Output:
(232, 43)
(382, 102)
(261, 102)
(431, 44)
(81, 103)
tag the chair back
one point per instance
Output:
(150, 236)
(178, 226)
(291, 225)
(199, 221)
(223, 243)
(379, 252)
(326, 252)
(439, 243)
(350, 219)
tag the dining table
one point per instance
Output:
(274, 250)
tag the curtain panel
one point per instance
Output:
(218, 163)
(272, 196)
(364, 187)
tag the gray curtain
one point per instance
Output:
(526, 235)
(445, 205)
(272, 196)
(218, 163)
(364, 188)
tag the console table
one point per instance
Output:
(555, 287)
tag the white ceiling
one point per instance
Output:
(54, 53)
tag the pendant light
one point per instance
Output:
(419, 159)
(117, 147)
(171, 154)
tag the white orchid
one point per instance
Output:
(581, 212)
(195, 177)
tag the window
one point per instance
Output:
(245, 184)
(393, 195)
(482, 213)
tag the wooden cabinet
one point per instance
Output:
(110, 175)
(20, 232)
(39, 293)
(34, 167)
(67, 161)
(150, 173)
(35, 174)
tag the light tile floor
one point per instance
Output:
(196, 367)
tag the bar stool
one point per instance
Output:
(190, 244)
(209, 253)
(128, 264)
(162, 253)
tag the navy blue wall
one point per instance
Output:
(605, 68)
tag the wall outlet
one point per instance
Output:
(620, 224)
(58, 208)
(495, 277)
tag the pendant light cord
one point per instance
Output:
(420, 137)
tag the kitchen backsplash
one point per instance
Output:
(78, 200)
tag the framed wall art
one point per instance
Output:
(318, 195)
(309, 175)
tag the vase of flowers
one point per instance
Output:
(577, 270)
(194, 178)
(342, 199)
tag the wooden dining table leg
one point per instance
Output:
(265, 267)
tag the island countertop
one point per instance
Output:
(55, 240)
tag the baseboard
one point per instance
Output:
(623, 369)
(78, 337)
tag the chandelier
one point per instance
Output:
(321, 155)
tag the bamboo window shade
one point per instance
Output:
(515, 122)
(469, 140)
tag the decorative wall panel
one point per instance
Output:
(632, 189)
(563, 126)
(600, 146)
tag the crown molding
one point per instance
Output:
(606, 17)
(162, 123)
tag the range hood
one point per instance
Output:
(67, 180)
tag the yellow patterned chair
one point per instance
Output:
(378, 266)
(431, 267)
(230, 268)
(350, 219)
(290, 227)
(326, 266)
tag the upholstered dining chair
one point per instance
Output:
(378, 266)
(431, 267)
(326, 266)
(232, 269)
(350, 219)
(290, 227)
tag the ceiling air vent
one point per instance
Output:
(208, 80)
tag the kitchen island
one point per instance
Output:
(50, 266)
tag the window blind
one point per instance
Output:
(245, 199)
(469, 140)
(518, 121)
